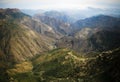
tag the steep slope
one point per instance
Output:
(98, 33)
(17, 44)
(56, 65)
(23, 41)
(11, 14)
(72, 67)
(89, 40)
(20, 42)
(105, 68)
(60, 15)
(100, 21)
(40, 27)
(58, 25)
(64, 65)
(18, 17)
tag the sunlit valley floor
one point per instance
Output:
(54, 47)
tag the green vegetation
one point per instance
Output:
(64, 65)
(56, 65)
(26, 55)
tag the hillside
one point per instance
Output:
(98, 33)
(106, 66)
(20, 18)
(56, 65)
(89, 40)
(100, 21)
(46, 48)
(18, 39)
(20, 42)
(64, 65)
(58, 25)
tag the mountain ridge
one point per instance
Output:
(45, 49)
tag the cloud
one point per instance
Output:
(7, 1)
(59, 3)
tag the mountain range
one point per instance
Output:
(50, 46)
(93, 34)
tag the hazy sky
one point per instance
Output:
(59, 4)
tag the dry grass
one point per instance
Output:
(20, 68)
